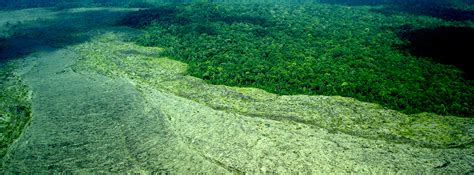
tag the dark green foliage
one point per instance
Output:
(312, 49)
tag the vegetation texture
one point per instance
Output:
(314, 49)
(104, 104)
(335, 114)
(223, 122)
(15, 109)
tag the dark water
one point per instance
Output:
(147, 3)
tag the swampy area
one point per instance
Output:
(236, 87)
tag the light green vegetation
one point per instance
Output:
(311, 49)
(23, 32)
(272, 118)
(15, 109)
(108, 105)
(15, 100)
(15, 96)
(333, 113)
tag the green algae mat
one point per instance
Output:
(109, 105)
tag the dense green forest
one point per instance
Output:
(314, 49)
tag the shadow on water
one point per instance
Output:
(67, 27)
(446, 45)
(442, 9)
(438, 11)
(382, 2)
(62, 4)
(357, 3)
(172, 15)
